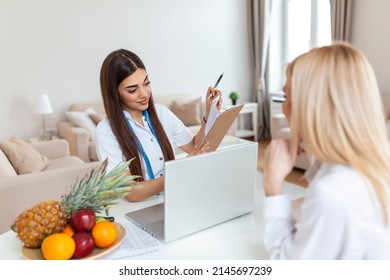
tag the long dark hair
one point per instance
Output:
(116, 67)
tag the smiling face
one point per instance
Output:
(134, 92)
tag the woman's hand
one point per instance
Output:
(199, 151)
(211, 95)
(278, 163)
(193, 148)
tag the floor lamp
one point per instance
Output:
(43, 107)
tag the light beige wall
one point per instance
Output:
(370, 34)
(57, 47)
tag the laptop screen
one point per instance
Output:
(208, 189)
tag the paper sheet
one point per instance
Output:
(213, 115)
(137, 243)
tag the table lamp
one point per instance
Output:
(43, 107)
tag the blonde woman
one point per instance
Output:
(333, 106)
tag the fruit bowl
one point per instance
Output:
(36, 254)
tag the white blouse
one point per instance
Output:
(108, 146)
(340, 219)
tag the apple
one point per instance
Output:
(83, 219)
(84, 244)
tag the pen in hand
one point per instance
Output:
(216, 84)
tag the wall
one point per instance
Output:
(369, 34)
(57, 47)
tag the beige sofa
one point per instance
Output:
(80, 135)
(19, 192)
(280, 130)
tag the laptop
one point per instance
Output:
(202, 191)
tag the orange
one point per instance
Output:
(58, 246)
(68, 230)
(104, 234)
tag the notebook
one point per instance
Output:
(201, 192)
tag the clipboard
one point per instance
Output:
(220, 127)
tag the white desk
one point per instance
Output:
(240, 238)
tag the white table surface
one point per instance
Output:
(239, 238)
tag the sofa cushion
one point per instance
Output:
(97, 117)
(82, 119)
(187, 112)
(64, 162)
(97, 106)
(6, 169)
(23, 157)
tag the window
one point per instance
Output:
(296, 27)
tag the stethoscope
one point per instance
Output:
(139, 145)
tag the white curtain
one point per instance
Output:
(341, 19)
(260, 17)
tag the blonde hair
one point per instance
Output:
(337, 112)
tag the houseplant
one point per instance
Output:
(234, 96)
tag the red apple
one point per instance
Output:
(83, 219)
(84, 244)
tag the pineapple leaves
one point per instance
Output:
(98, 189)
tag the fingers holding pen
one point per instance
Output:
(212, 94)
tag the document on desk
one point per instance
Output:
(137, 243)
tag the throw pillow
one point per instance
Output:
(82, 119)
(6, 168)
(23, 157)
(188, 112)
(97, 117)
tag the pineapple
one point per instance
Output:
(96, 190)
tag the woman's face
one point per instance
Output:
(135, 91)
(286, 107)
